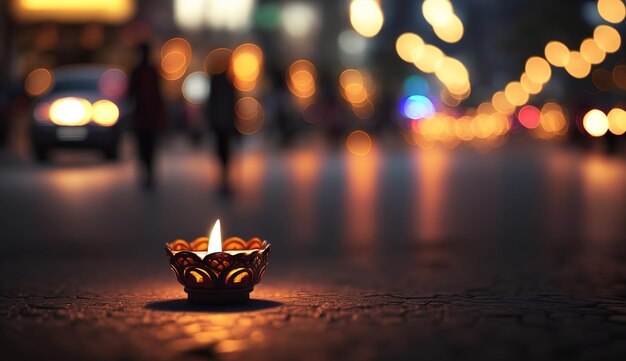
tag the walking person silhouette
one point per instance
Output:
(149, 118)
(220, 111)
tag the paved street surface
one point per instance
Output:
(516, 254)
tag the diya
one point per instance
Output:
(213, 272)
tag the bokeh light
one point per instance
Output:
(249, 115)
(463, 128)
(350, 76)
(246, 66)
(231, 15)
(502, 104)
(557, 53)
(175, 58)
(100, 11)
(299, 19)
(41, 113)
(186, 14)
(577, 66)
(619, 76)
(596, 123)
(437, 12)
(612, 11)
(529, 116)
(268, 17)
(592, 52)
(417, 107)
(553, 122)
(355, 93)
(217, 61)
(538, 70)
(530, 86)
(359, 143)
(70, 111)
(38, 82)
(173, 63)
(301, 79)
(617, 121)
(351, 42)
(113, 83)
(410, 47)
(357, 87)
(366, 17)
(196, 87)
(453, 74)
(515, 93)
(430, 60)
(607, 38)
(105, 113)
(440, 15)
(450, 32)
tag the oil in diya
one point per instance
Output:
(216, 272)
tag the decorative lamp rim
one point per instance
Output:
(200, 244)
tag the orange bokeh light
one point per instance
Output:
(249, 115)
(359, 143)
(247, 60)
(301, 79)
(38, 82)
(217, 61)
(175, 58)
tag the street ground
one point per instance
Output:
(517, 254)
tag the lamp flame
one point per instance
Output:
(215, 239)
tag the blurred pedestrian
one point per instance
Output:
(149, 118)
(220, 111)
(278, 104)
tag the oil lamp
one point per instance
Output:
(218, 273)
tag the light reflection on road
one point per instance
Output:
(360, 206)
(304, 169)
(315, 200)
(603, 199)
(430, 171)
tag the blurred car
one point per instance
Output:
(83, 108)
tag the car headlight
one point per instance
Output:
(105, 113)
(70, 111)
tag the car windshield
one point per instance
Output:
(75, 84)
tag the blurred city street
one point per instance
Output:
(312, 199)
(516, 249)
(312, 180)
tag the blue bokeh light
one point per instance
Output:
(417, 107)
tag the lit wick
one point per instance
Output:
(215, 239)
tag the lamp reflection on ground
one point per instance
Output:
(603, 198)
(304, 168)
(362, 173)
(248, 175)
(430, 171)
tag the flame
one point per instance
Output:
(215, 239)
